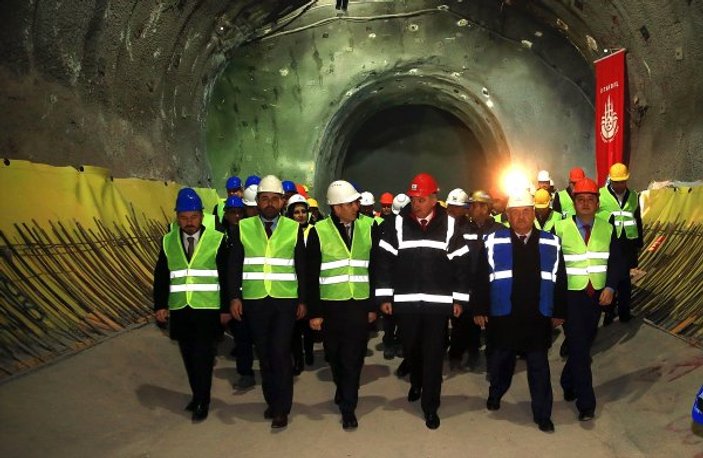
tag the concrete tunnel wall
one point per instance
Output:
(126, 85)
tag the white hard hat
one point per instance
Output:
(457, 197)
(367, 199)
(296, 199)
(341, 192)
(249, 196)
(270, 183)
(521, 198)
(400, 201)
(543, 175)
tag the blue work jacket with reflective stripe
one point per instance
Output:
(499, 250)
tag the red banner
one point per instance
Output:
(610, 112)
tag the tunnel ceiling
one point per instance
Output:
(126, 84)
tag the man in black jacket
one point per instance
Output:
(520, 294)
(423, 278)
(190, 293)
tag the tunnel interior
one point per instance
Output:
(402, 141)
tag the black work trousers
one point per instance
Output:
(580, 331)
(198, 359)
(423, 336)
(271, 322)
(390, 336)
(345, 334)
(501, 367)
(244, 346)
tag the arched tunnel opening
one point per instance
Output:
(401, 141)
(107, 109)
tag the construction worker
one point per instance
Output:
(386, 201)
(289, 189)
(234, 188)
(367, 203)
(594, 267)
(466, 335)
(457, 205)
(545, 217)
(563, 201)
(190, 293)
(544, 180)
(267, 274)
(303, 338)
(249, 200)
(520, 291)
(423, 278)
(233, 212)
(340, 254)
(498, 210)
(620, 207)
(314, 209)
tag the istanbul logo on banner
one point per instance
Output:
(610, 112)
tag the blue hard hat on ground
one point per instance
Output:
(289, 186)
(252, 179)
(234, 183)
(697, 412)
(188, 201)
(234, 202)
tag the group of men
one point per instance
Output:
(419, 262)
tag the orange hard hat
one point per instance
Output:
(585, 186)
(301, 188)
(576, 174)
(386, 198)
(422, 185)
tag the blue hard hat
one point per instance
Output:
(234, 183)
(252, 179)
(289, 186)
(356, 186)
(697, 411)
(188, 201)
(234, 202)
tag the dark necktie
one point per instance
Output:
(349, 231)
(423, 225)
(190, 247)
(523, 239)
(267, 227)
(586, 237)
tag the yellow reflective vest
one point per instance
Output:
(269, 263)
(585, 262)
(623, 218)
(344, 273)
(195, 283)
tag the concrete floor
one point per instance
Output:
(125, 398)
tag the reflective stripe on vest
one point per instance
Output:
(422, 243)
(549, 224)
(623, 218)
(499, 251)
(195, 283)
(584, 263)
(567, 204)
(344, 274)
(269, 264)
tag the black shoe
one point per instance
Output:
(399, 351)
(298, 367)
(190, 405)
(279, 421)
(564, 350)
(414, 394)
(586, 415)
(546, 426)
(492, 404)
(200, 411)
(608, 318)
(454, 364)
(569, 396)
(268, 413)
(244, 382)
(349, 421)
(432, 420)
(403, 369)
(309, 359)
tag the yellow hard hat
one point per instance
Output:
(443, 203)
(542, 198)
(312, 202)
(481, 196)
(619, 172)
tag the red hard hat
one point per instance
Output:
(386, 198)
(422, 185)
(585, 186)
(576, 174)
(301, 190)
